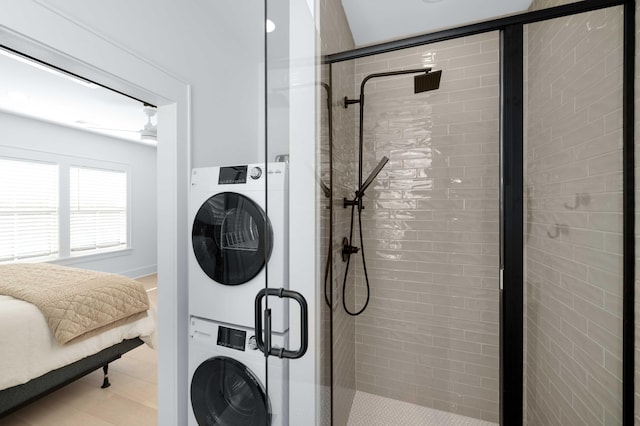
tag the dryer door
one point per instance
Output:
(225, 392)
(232, 238)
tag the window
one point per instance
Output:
(98, 209)
(28, 209)
(53, 209)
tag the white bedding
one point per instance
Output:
(29, 350)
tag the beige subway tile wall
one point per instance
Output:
(344, 155)
(573, 250)
(336, 37)
(324, 251)
(430, 333)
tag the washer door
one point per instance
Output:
(232, 238)
(225, 392)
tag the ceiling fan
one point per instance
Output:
(150, 130)
(148, 133)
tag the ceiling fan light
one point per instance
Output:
(149, 133)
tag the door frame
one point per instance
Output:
(48, 34)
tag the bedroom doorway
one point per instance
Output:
(43, 129)
(42, 31)
(99, 146)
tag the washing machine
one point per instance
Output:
(228, 378)
(238, 237)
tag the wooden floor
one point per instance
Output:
(131, 399)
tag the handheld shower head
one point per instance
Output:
(372, 176)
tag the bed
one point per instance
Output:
(58, 324)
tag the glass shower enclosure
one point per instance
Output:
(499, 238)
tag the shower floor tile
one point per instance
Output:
(374, 410)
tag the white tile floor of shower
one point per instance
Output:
(374, 410)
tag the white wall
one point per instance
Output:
(214, 45)
(33, 138)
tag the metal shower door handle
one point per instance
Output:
(267, 349)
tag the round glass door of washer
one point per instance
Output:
(225, 392)
(232, 238)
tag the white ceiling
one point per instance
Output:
(376, 21)
(37, 91)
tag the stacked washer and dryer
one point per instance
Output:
(235, 244)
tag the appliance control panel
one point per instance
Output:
(233, 175)
(231, 338)
(248, 176)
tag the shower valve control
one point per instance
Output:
(255, 173)
(347, 249)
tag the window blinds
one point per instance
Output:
(98, 209)
(28, 209)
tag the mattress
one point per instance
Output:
(30, 350)
(76, 302)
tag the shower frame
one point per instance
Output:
(511, 186)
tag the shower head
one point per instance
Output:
(371, 177)
(427, 81)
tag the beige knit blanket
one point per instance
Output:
(76, 303)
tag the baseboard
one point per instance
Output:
(141, 272)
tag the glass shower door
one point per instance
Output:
(427, 344)
(573, 172)
(292, 198)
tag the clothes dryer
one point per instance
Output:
(228, 378)
(238, 235)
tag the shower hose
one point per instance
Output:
(364, 266)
